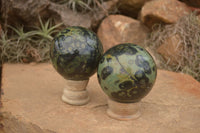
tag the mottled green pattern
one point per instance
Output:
(127, 72)
(75, 53)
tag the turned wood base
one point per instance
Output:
(75, 92)
(123, 111)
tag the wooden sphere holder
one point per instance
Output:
(123, 111)
(75, 92)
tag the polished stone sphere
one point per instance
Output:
(75, 53)
(126, 73)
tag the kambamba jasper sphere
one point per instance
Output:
(75, 53)
(126, 73)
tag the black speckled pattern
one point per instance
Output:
(75, 53)
(126, 73)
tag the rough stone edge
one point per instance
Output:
(10, 124)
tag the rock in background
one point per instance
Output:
(116, 29)
(27, 12)
(131, 7)
(163, 11)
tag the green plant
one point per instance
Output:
(12, 48)
(188, 28)
(46, 30)
(28, 46)
(20, 34)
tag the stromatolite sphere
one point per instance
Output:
(75, 53)
(126, 73)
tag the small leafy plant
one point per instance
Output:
(27, 46)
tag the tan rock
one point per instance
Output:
(163, 11)
(171, 49)
(32, 93)
(131, 7)
(116, 29)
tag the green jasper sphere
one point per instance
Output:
(126, 73)
(75, 53)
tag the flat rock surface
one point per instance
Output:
(32, 93)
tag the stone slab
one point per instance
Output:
(32, 93)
